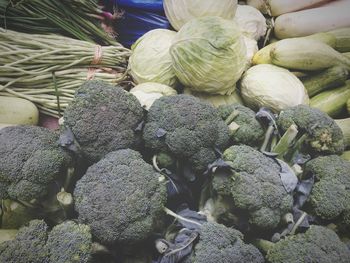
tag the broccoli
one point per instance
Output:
(121, 197)
(103, 119)
(318, 244)
(218, 243)
(67, 242)
(323, 135)
(187, 128)
(330, 195)
(252, 189)
(245, 128)
(33, 167)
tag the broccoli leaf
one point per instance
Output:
(288, 177)
(192, 216)
(303, 191)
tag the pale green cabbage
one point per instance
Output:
(273, 87)
(215, 99)
(151, 60)
(179, 12)
(149, 92)
(209, 55)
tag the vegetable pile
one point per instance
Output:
(227, 140)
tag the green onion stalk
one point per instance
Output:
(78, 19)
(47, 69)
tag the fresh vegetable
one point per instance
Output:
(279, 7)
(306, 54)
(251, 47)
(129, 195)
(327, 17)
(317, 243)
(216, 100)
(151, 60)
(47, 69)
(348, 106)
(187, 128)
(330, 195)
(324, 80)
(209, 55)
(148, 92)
(321, 133)
(342, 37)
(346, 155)
(179, 12)
(261, 5)
(273, 87)
(250, 21)
(101, 119)
(332, 102)
(344, 125)
(18, 111)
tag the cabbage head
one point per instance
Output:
(149, 92)
(151, 60)
(209, 55)
(272, 87)
(179, 12)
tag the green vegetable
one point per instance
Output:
(272, 87)
(209, 55)
(348, 106)
(346, 155)
(151, 60)
(332, 101)
(344, 125)
(342, 37)
(324, 80)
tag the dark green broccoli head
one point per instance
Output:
(253, 186)
(186, 127)
(69, 242)
(218, 243)
(31, 162)
(103, 119)
(250, 131)
(317, 244)
(121, 197)
(330, 195)
(28, 246)
(323, 134)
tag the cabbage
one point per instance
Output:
(209, 55)
(148, 92)
(250, 21)
(151, 60)
(179, 12)
(273, 87)
(215, 99)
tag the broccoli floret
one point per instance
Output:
(323, 135)
(67, 242)
(121, 197)
(330, 195)
(28, 246)
(186, 127)
(317, 244)
(252, 187)
(31, 162)
(218, 243)
(103, 119)
(246, 128)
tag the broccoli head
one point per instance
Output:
(103, 119)
(330, 195)
(251, 188)
(67, 242)
(31, 162)
(121, 197)
(186, 127)
(317, 244)
(218, 243)
(245, 128)
(323, 135)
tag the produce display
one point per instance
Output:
(223, 138)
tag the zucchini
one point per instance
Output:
(327, 79)
(344, 125)
(332, 101)
(342, 37)
(17, 111)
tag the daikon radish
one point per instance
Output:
(279, 7)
